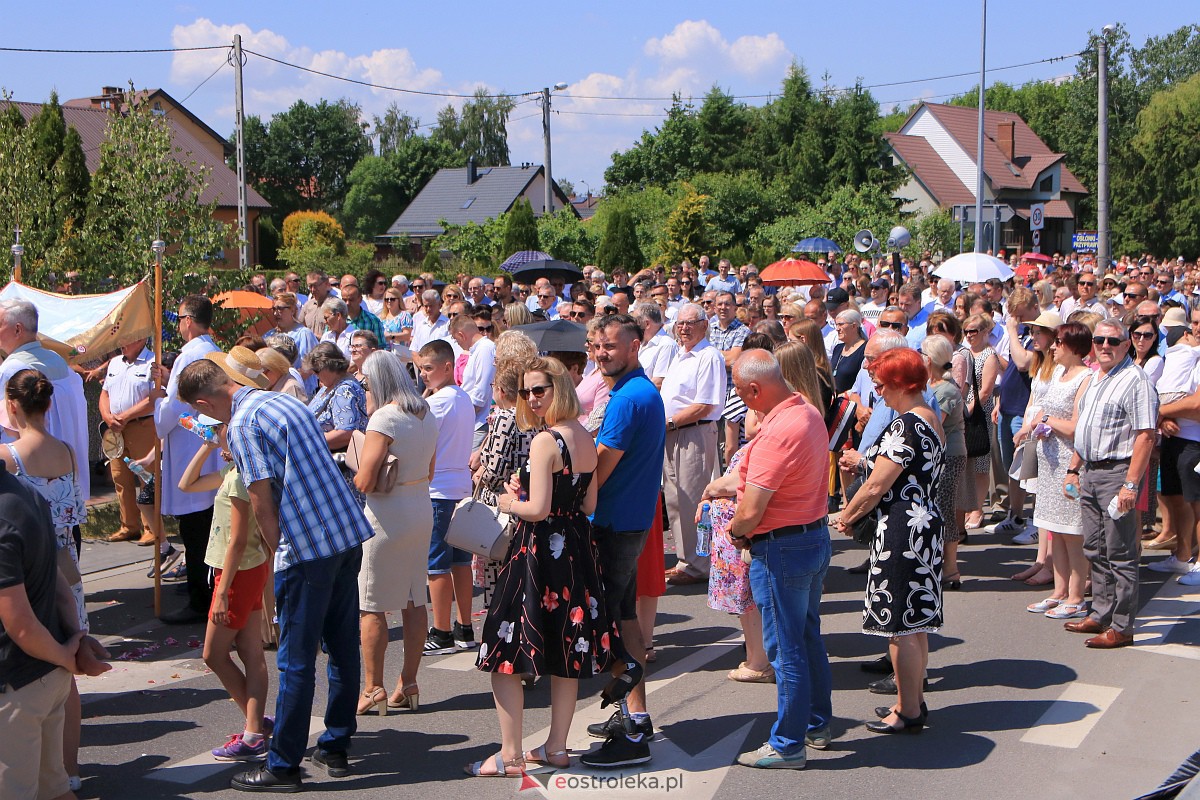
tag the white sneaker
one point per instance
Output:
(1028, 536)
(1171, 564)
(1009, 526)
(1191, 577)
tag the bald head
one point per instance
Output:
(759, 382)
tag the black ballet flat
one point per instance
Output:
(907, 725)
(954, 582)
(883, 711)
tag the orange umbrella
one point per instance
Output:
(242, 299)
(793, 272)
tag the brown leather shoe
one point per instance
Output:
(686, 579)
(1086, 625)
(1109, 640)
(124, 535)
(147, 539)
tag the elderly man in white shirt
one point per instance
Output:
(478, 373)
(658, 348)
(338, 327)
(193, 510)
(429, 323)
(67, 418)
(693, 392)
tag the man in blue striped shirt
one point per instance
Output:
(307, 515)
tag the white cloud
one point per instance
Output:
(698, 43)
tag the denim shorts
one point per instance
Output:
(619, 552)
(441, 555)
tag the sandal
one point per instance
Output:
(743, 674)
(539, 756)
(1026, 574)
(1068, 611)
(408, 699)
(651, 655)
(1044, 606)
(502, 767)
(1038, 580)
(373, 700)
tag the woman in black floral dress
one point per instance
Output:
(547, 615)
(904, 587)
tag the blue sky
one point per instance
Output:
(612, 49)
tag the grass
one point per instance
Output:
(105, 518)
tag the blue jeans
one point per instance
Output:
(441, 555)
(785, 577)
(317, 602)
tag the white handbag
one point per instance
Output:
(480, 528)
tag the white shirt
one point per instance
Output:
(179, 444)
(373, 305)
(456, 425)
(128, 382)
(67, 418)
(656, 355)
(342, 340)
(695, 376)
(477, 378)
(424, 332)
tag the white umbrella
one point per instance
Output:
(973, 268)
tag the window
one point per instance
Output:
(1047, 184)
(467, 204)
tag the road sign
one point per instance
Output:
(991, 213)
(1037, 238)
(1085, 241)
(1037, 212)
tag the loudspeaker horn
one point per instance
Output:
(865, 241)
(899, 238)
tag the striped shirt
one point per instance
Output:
(1113, 409)
(275, 437)
(783, 458)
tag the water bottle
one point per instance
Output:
(704, 531)
(1072, 490)
(205, 432)
(143, 474)
(1114, 508)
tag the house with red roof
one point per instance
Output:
(937, 146)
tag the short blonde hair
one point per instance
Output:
(565, 403)
(288, 299)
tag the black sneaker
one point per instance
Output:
(613, 727)
(264, 780)
(618, 751)
(438, 643)
(879, 666)
(334, 762)
(464, 637)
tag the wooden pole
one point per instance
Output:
(158, 246)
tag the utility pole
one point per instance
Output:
(549, 207)
(18, 250)
(979, 143)
(1103, 249)
(239, 116)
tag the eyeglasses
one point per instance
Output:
(1111, 341)
(545, 297)
(1164, 282)
(185, 316)
(278, 309)
(536, 391)
(892, 325)
(1087, 283)
(681, 323)
(1142, 334)
(971, 331)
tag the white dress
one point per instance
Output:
(1053, 510)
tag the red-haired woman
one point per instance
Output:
(904, 589)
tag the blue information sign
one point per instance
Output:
(1085, 241)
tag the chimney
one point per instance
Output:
(1006, 140)
(472, 175)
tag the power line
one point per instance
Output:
(222, 65)
(370, 85)
(114, 52)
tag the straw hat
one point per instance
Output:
(1174, 318)
(241, 365)
(1047, 319)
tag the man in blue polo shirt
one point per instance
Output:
(631, 445)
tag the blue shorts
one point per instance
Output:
(441, 555)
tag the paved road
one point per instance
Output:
(1018, 706)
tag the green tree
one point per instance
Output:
(848, 210)
(520, 229)
(566, 237)
(382, 186)
(688, 233)
(671, 152)
(478, 246)
(618, 246)
(48, 132)
(741, 203)
(394, 128)
(723, 127)
(304, 156)
(141, 192)
(481, 130)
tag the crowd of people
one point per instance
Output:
(316, 473)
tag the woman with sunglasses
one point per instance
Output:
(374, 285)
(547, 615)
(1058, 517)
(986, 368)
(1144, 334)
(397, 321)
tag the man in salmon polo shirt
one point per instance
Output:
(780, 517)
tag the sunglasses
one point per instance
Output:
(1142, 334)
(391, 299)
(545, 297)
(577, 314)
(706, 302)
(536, 391)
(484, 328)
(418, 287)
(381, 282)
(971, 331)
(452, 315)
(892, 325)
(1134, 296)
(1087, 283)
(1111, 341)
(787, 316)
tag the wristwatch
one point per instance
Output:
(1045, 418)
(1072, 471)
(1130, 485)
(670, 424)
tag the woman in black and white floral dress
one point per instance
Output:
(904, 589)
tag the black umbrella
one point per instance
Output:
(547, 268)
(557, 335)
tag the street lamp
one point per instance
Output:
(558, 87)
(18, 250)
(1103, 249)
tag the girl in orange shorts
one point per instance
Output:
(238, 554)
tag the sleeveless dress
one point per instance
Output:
(1052, 510)
(904, 586)
(66, 511)
(981, 465)
(547, 615)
